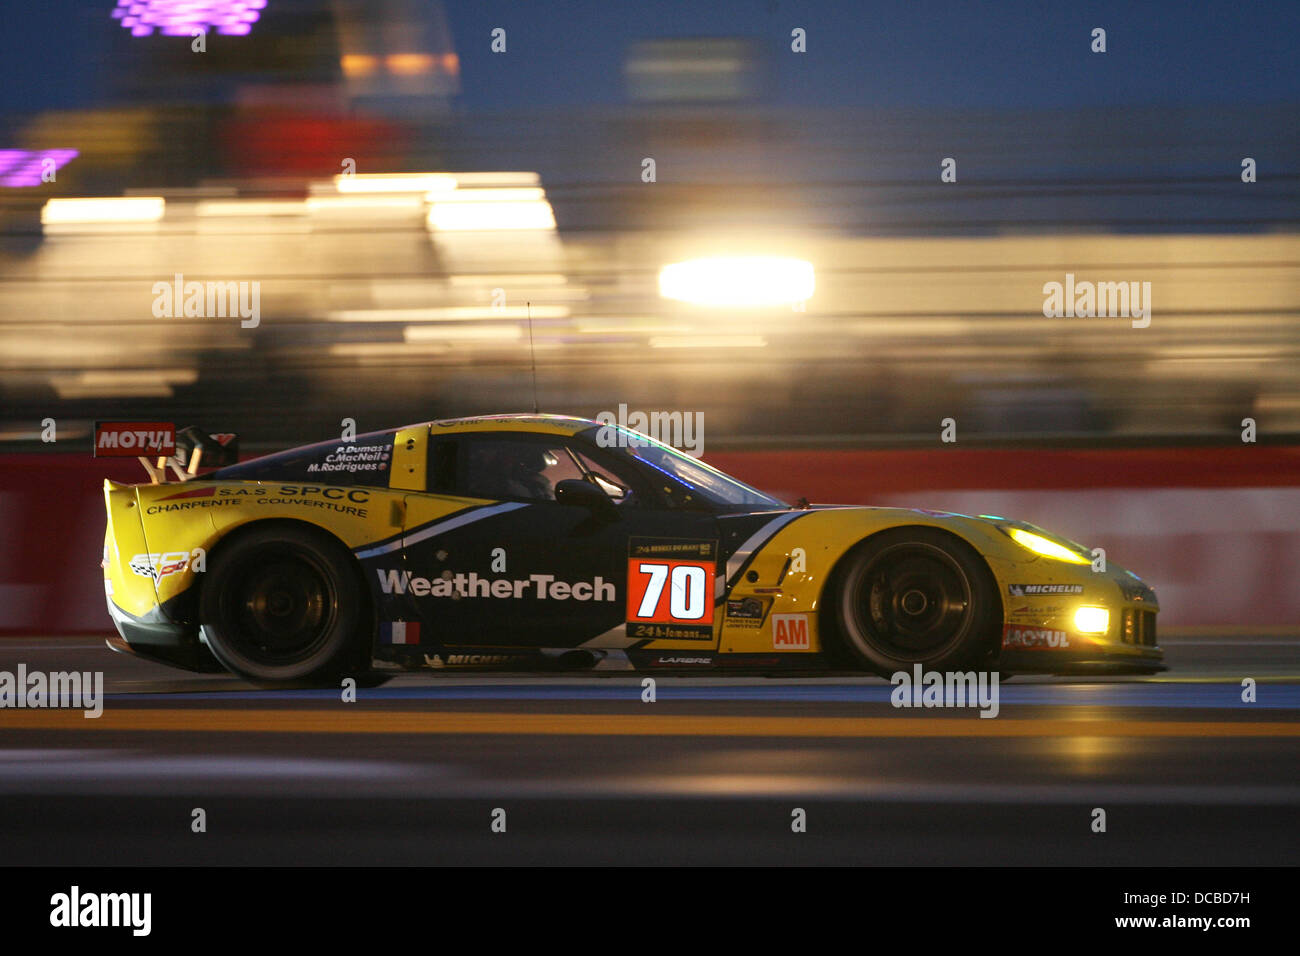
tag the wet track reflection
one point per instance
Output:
(709, 772)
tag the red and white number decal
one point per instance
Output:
(670, 591)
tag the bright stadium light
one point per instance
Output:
(106, 210)
(437, 183)
(738, 281)
(465, 211)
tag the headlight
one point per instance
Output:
(1092, 620)
(1045, 546)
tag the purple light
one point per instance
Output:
(183, 17)
(9, 157)
(23, 167)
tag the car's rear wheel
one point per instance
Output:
(283, 603)
(915, 596)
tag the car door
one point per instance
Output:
(522, 569)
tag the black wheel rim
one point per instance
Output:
(911, 601)
(281, 608)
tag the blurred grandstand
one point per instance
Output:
(376, 306)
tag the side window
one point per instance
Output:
(441, 472)
(602, 476)
(524, 468)
(512, 467)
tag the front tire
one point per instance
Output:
(282, 604)
(916, 596)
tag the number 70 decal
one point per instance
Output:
(666, 591)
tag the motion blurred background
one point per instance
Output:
(404, 195)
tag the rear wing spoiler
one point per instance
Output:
(160, 446)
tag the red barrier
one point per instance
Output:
(854, 477)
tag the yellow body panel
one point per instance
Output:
(826, 536)
(410, 457)
(123, 541)
(208, 511)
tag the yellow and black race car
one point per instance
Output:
(520, 540)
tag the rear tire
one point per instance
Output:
(915, 596)
(283, 604)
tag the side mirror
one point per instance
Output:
(583, 494)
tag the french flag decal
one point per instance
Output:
(399, 632)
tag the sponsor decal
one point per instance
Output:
(745, 613)
(541, 587)
(1032, 610)
(1030, 638)
(473, 660)
(133, 439)
(341, 500)
(670, 588)
(275, 495)
(191, 493)
(676, 660)
(790, 632)
(160, 564)
(353, 459)
(197, 502)
(315, 503)
(1032, 590)
(399, 632)
(667, 632)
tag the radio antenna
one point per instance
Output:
(533, 352)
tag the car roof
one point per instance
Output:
(538, 424)
(541, 424)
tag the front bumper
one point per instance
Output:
(1085, 661)
(1040, 633)
(156, 637)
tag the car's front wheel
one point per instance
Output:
(283, 603)
(915, 596)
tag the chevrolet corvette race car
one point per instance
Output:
(521, 540)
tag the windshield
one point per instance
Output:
(700, 480)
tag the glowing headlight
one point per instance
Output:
(1091, 620)
(1047, 548)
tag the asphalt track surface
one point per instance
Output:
(711, 772)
